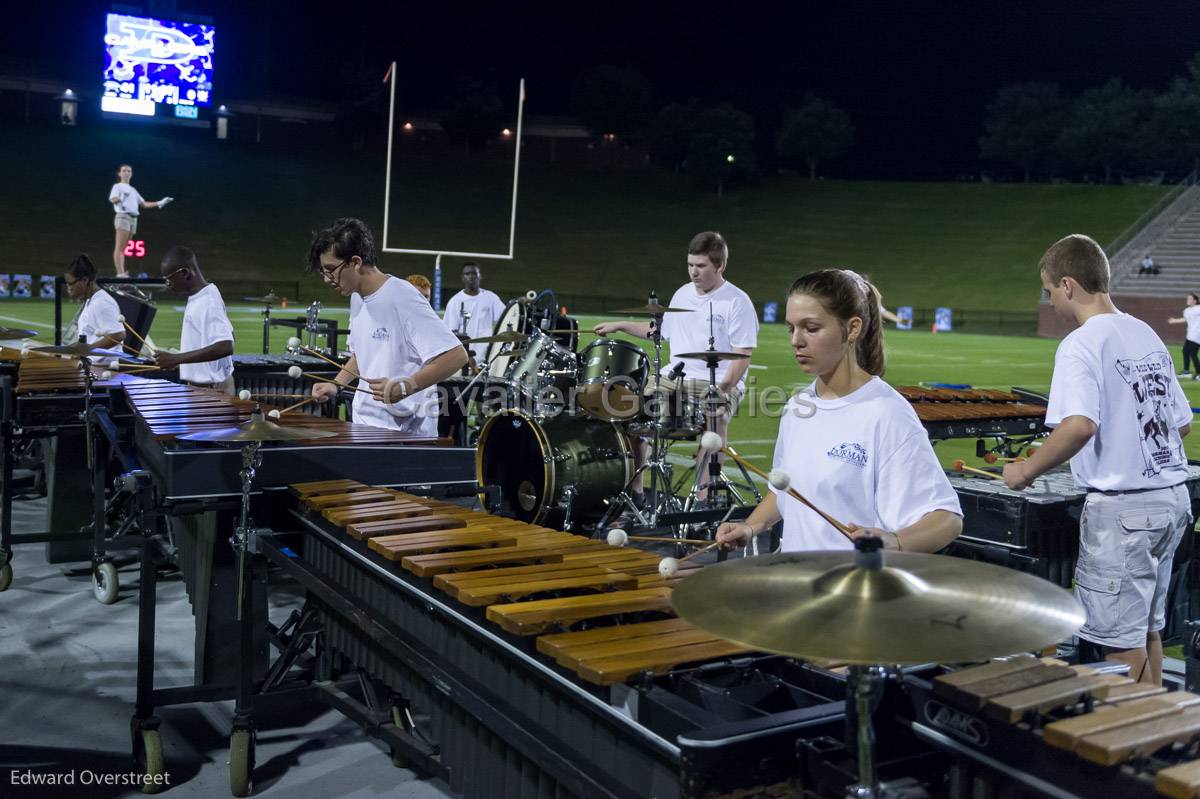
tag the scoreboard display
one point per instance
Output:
(151, 62)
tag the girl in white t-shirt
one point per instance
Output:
(99, 318)
(127, 203)
(1191, 339)
(849, 442)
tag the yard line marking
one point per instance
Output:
(27, 322)
(757, 366)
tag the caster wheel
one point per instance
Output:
(5, 576)
(150, 758)
(105, 583)
(241, 763)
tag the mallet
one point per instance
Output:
(295, 372)
(294, 343)
(276, 413)
(961, 466)
(991, 457)
(136, 335)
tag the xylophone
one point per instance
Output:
(184, 470)
(266, 378)
(1059, 730)
(969, 413)
(540, 657)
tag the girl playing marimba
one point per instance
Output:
(848, 441)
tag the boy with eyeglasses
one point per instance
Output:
(206, 340)
(400, 347)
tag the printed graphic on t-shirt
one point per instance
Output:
(854, 454)
(381, 334)
(1150, 381)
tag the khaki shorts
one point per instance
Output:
(1126, 547)
(125, 222)
(227, 386)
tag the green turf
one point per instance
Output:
(913, 357)
(249, 211)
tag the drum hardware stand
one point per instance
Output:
(312, 325)
(656, 463)
(244, 535)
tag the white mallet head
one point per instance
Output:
(779, 479)
(244, 394)
(293, 342)
(711, 441)
(668, 567)
(531, 295)
(114, 364)
(121, 317)
(106, 375)
(274, 414)
(294, 371)
(617, 537)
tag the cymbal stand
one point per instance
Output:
(864, 685)
(656, 463)
(242, 539)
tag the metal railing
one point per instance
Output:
(1127, 235)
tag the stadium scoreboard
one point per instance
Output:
(150, 63)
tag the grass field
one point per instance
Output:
(913, 357)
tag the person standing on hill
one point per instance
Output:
(127, 203)
(1191, 341)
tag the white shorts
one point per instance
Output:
(1127, 544)
(125, 222)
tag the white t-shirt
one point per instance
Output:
(393, 333)
(1115, 370)
(98, 317)
(734, 325)
(128, 199)
(485, 309)
(204, 323)
(1191, 315)
(864, 459)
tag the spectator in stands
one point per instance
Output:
(127, 203)
(1148, 267)
(1191, 340)
(422, 284)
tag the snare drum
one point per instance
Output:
(542, 466)
(612, 374)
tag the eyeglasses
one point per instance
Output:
(1045, 294)
(172, 274)
(331, 273)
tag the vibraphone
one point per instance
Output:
(266, 378)
(1031, 726)
(971, 413)
(544, 663)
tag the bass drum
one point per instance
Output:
(515, 318)
(541, 466)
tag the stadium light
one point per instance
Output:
(506, 133)
(408, 127)
(70, 107)
(729, 159)
(223, 114)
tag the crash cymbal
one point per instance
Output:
(714, 356)
(257, 429)
(267, 299)
(652, 309)
(507, 337)
(16, 333)
(914, 609)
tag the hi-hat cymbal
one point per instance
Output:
(714, 356)
(507, 337)
(651, 309)
(267, 299)
(16, 333)
(257, 429)
(915, 609)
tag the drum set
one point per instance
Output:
(560, 429)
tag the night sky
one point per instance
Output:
(915, 77)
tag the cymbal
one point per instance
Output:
(507, 337)
(267, 299)
(651, 309)
(16, 332)
(257, 429)
(78, 349)
(714, 356)
(915, 609)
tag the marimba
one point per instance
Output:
(1038, 723)
(968, 413)
(542, 658)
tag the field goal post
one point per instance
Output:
(387, 193)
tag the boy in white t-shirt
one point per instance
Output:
(715, 305)
(1191, 339)
(474, 311)
(205, 358)
(99, 319)
(849, 442)
(401, 349)
(1120, 415)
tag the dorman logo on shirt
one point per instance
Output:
(853, 454)
(381, 334)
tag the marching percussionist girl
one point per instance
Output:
(848, 441)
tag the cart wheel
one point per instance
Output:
(5, 576)
(105, 583)
(151, 760)
(241, 762)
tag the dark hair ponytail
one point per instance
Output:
(845, 294)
